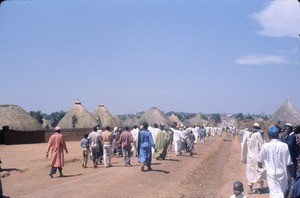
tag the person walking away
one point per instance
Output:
(184, 138)
(177, 141)
(251, 145)
(135, 132)
(170, 138)
(94, 145)
(289, 138)
(297, 134)
(56, 146)
(153, 130)
(195, 130)
(276, 157)
(161, 143)
(202, 135)
(238, 189)
(84, 143)
(126, 139)
(100, 147)
(191, 143)
(145, 145)
(107, 138)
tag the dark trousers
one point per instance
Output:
(53, 170)
(95, 157)
(191, 149)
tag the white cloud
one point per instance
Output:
(261, 60)
(280, 18)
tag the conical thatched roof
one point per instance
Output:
(286, 113)
(130, 121)
(154, 115)
(18, 119)
(79, 113)
(174, 119)
(118, 120)
(197, 120)
(104, 117)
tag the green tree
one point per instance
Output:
(37, 115)
(239, 116)
(216, 117)
(249, 117)
(56, 117)
(74, 121)
(204, 117)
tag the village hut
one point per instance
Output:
(229, 120)
(197, 120)
(77, 118)
(19, 127)
(104, 117)
(130, 121)
(154, 115)
(118, 120)
(175, 120)
(286, 113)
(47, 124)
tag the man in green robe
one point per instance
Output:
(161, 142)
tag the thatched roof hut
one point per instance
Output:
(18, 119)
(286, 113)
(104, 117)
(47, 124)
(175, 120)
(130, 122)
(154, 115)
(118, 120)
(197, 120)
(19, 127)
(78, 117)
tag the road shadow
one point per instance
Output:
(71, 175)
(155, 163)
(173, 160)
(11, 169)
(158, 170)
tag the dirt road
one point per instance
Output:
(209, 173)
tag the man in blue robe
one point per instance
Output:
(145, 144)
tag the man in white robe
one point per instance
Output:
(135, 133)
(195, 130)
(276, 157)
(251, 146)
(177, 141)
(153, 130)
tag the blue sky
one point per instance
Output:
(196, 56)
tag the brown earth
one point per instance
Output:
(209, 173)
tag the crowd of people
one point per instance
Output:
(144, 142)
(277, 161)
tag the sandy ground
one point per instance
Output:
(209, 173)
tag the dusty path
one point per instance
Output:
(209, 173)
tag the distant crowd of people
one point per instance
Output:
(144, 142)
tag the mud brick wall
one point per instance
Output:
(24, 137)
(69, 134)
